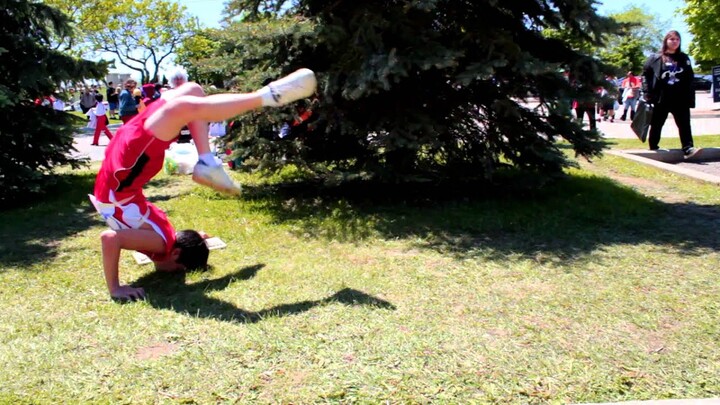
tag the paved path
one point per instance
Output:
(705, 120)
(82, 142)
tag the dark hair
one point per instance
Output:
(193, 249)
(670, 33)
(98, 97)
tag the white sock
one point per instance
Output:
(208, 159)
(267, 98)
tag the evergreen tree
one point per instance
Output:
(33, 139)
(703, 20)
(437, 88)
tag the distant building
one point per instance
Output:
(117, 78)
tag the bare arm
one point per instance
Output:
(113, 242)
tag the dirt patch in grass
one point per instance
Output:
(649, 187)
(156, 350)
(653, 341)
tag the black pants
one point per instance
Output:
(681, 114)
(588, 109)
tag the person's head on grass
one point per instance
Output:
(190, 252)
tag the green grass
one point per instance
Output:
(650, 180)
(705, 141)
(584, 291)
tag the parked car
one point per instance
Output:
(702, 82)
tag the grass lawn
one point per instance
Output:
(585, 291)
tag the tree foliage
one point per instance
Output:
(703, 19)
(243, 54)
(194, 53)
(627, 48)
(639, 36)
(432, 88)
(33, 139)
(254, 10)
(71, 41)
(141, 34)
(625, 56)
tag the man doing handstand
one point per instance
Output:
(136, 154)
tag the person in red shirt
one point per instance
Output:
(101, 121)
(630, 89)
(136, 154)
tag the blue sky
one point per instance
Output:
(208, 11)
(665, 10)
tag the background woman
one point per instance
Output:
(667, 85)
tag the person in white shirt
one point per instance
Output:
(58, 103)
(101, 120)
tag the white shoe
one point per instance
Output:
(691, 152)
(295, 86)
(215, 178)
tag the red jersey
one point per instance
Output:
(133, 157)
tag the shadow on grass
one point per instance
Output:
(171, 291)
(31, 234)
(569, 218)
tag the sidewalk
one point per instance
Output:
(705, 120)
(82, 142)
(700, 126)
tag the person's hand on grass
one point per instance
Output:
(125, 293)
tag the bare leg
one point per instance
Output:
(188, 105)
